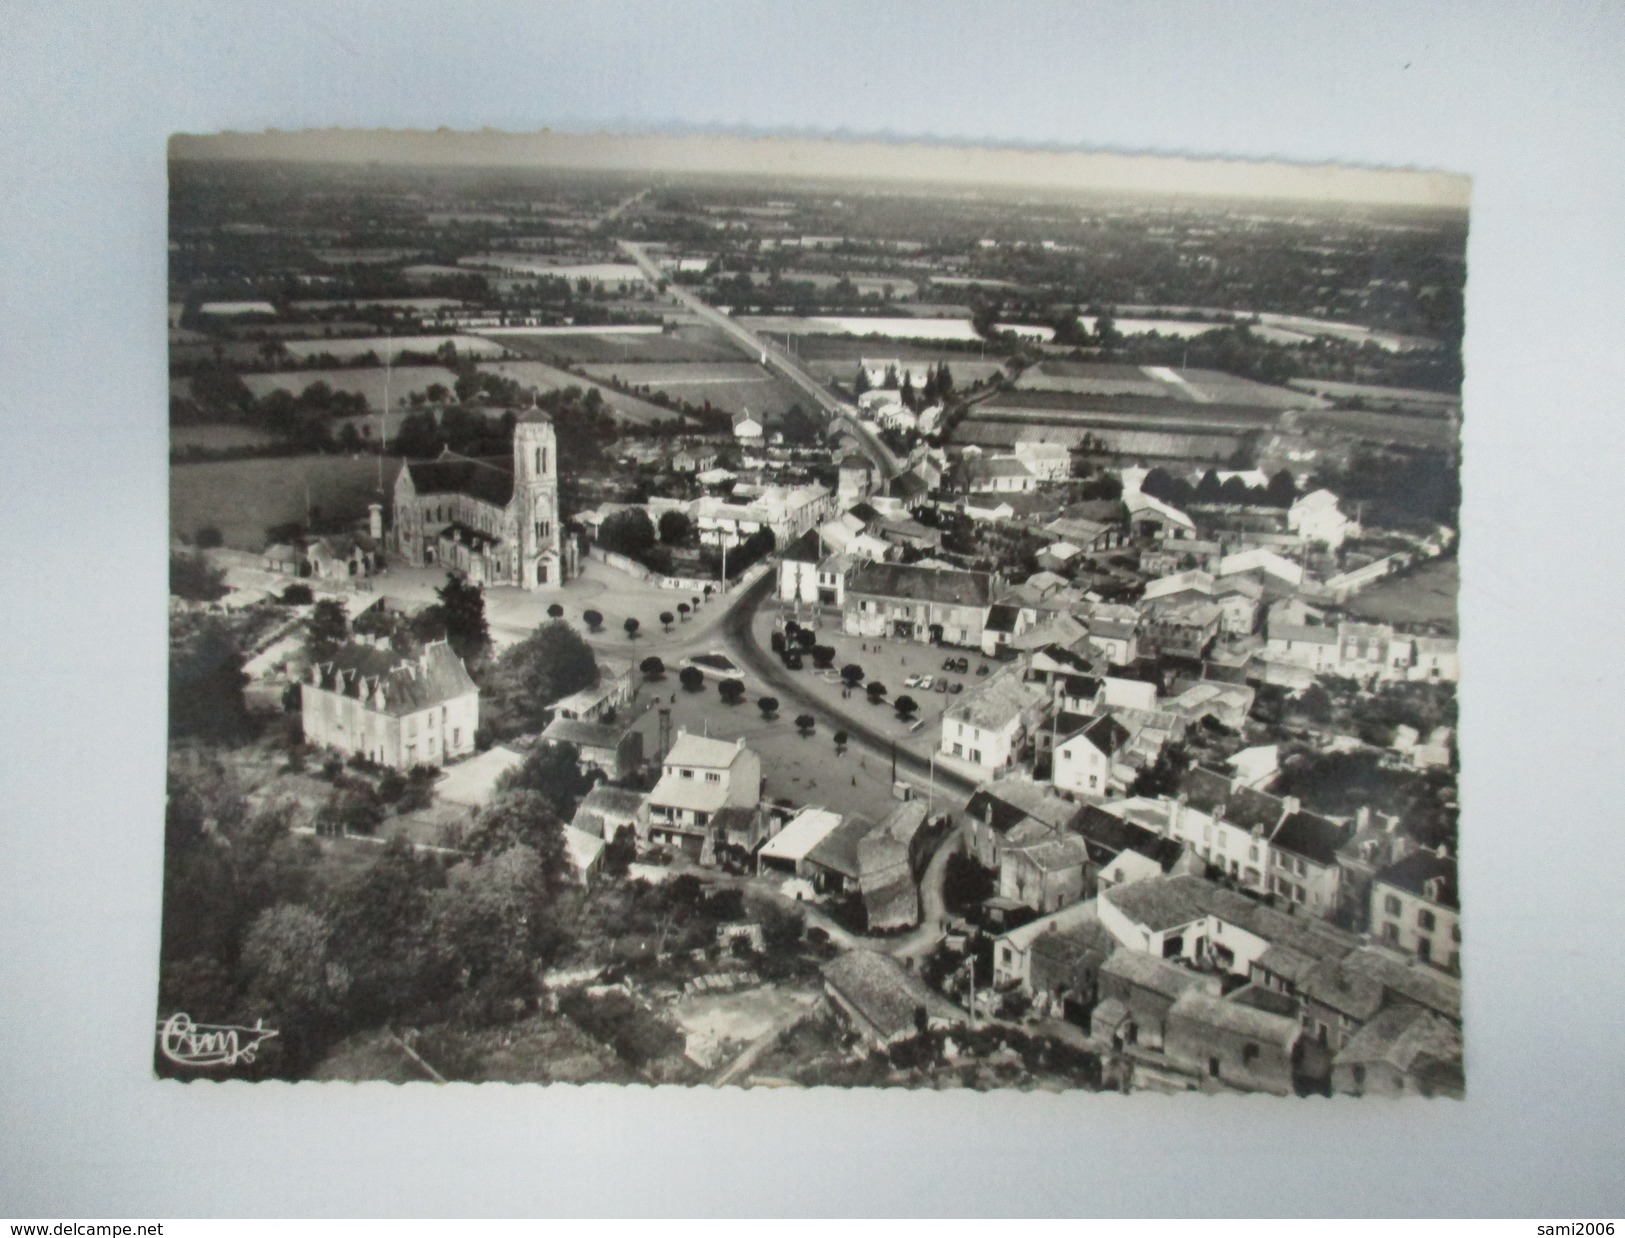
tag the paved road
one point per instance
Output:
(740, 640)
(773, 356)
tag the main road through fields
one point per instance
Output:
(773, 356)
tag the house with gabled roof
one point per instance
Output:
(1404, 1050)
(798, 569)
(699, 777)
(1235, 1042)
(1083, 762)
(987, 727)
(1303, 861)
(1415, 907)
(883, 1000)
(995, 809)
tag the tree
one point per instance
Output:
(852, 673)
(667, 619)
(1282, 490)
(193, 578)
(326, 629)
(462, 610)
(555, 611)
(805, 724)
(682, 612)
(769, 705)
(840, 740)
(652, 668)
(351, 808)
(593, 620)
(806, 638)
(207, 685)
(906, 706)
(876, 691)
(860, 384)
(823, 656)
(791, 660)
(525, 816)
(676, 529)
(208, 538)
(732, 691)
(498, 921)
(297, 595)
(628, 532)
(288, 962)
(1209, 489)
(552, 662)
(692, 679)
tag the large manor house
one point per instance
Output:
(498, 525)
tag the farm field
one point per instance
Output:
(404, 381)
(726, 385)
(218, 438)
(1439, 402)
(686, 343)
(395, 345)
(1381, 428)
(1426, 595)
(1062, 408)
(896, 328)
(529, 264)
(546, 377)
(243, 498)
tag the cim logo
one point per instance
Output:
(209, 1044)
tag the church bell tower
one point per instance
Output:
(536, 491)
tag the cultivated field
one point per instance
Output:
(395, 345)
(1381, 428)
(217, 438)
(894, 328)
(1426, 595)
(243, 498)
(726, 385)
(686, 343)
(545, 377)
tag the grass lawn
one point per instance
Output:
(1426, 595)
(243, 498)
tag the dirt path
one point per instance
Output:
(748, 1056)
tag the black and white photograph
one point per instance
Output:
(773, 614)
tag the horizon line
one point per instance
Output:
(904, 161)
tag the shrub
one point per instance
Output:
(769, 705)
(876, 691)
(631, 626)
(852, 673)
(652, 668)
(905, 706)
(823, 656)
(682, 610)
(792, 661)
(805, 723)
(667, 619)
(297, 595)
(732, 691)
(555, 611)
(594, 620)
(692, 679)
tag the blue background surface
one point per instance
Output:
(1526, 99)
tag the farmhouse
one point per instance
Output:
(496, 523)
(394, 709)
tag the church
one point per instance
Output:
(498, 524)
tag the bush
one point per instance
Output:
(853, 674)
(297, 595)
(823, 656)
(876, 691)
(906, 706)
(692, 679)
(769, 705)
(792, 661)
(805, 724)
(732, 691)
(652, 668)
(631, 626)
(555, 611)
(593, 619)
(667, 619)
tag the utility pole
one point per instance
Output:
(383, 420)
(970, 975)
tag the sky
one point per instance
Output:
(897, 163)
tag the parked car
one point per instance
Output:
(913, 681)
(924, 683)
(941, 686)
(949, 664)
(956, 687)
(982, 669)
